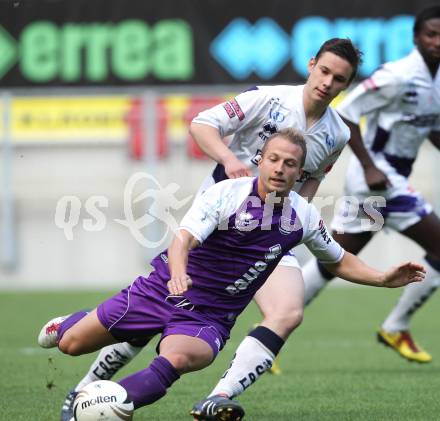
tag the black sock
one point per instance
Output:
(268, 338)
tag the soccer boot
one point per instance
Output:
(403, 343)
(276, 368)
(67, 408)
(217, 408)
(48, 334)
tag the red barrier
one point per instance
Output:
(135, 116)
(135, 122)
(198, 103)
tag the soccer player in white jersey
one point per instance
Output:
(216, 263)
(401, 102)
(251, 118)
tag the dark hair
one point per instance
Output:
(432, 12)
(293, 136)
(344, 48)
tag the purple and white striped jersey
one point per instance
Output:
(254, 115)
(242, 240)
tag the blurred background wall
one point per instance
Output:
(96, 98)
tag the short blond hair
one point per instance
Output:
(293, 136)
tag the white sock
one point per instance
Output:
(251, 360)
(109, 361)
(314, 282)
(413, 297)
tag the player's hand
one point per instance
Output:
(234, 168)
(376, 179)
(177, 285)
(403, 275)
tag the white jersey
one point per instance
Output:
(401, 101)
(254, 115)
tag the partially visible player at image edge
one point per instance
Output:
(401, 102)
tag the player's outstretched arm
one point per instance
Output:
(353, 269)
(178, 251)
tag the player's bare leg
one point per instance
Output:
(64, 329)
(85, 336)
(186, 353)
(75, 334)
(280, 316)
(316, 277)
(281, 300)
(395, 329)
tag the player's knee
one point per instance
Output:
(294, 318)
(268, 310)
(278, 309)
(187, 362)
(70, 345)
(285, 321)
(181, 362)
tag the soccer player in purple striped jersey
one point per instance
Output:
(229, 242)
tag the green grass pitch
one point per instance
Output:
(333, 367)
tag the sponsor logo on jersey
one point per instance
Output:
(329, 141)
(274, 252)
(322, 229)
(285, 226)
(243, 220)
(277, 116)
(424, 120)
(269, 129)
(237, 109)
(411, 95)
(254, 271)
(229, 111)
(257, 157)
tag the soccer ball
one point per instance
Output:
(102, 401)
